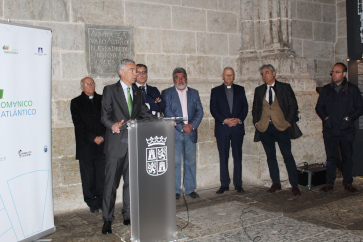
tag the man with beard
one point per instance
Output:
(183, 101)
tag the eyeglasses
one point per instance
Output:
(336, 72)
(91, 84)
(142, 73)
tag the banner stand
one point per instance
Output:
(26, 193)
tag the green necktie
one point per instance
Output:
(129, 101)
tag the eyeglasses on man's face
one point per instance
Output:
(336, 72)
(89, 84)
(142, 72)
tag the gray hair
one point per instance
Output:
(269, 66)
(81, 82)
(228, 68)
(179, 70)
(122, 65)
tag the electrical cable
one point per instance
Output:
(257, 238)
(185, 201)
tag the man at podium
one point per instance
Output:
(121, 102)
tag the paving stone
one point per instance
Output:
(239, 217)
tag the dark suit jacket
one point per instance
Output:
(288, 104)
(219, 109)
(87, 125)
(152, 94)
(114, 109)
(174, 109)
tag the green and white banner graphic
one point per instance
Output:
(26, 199)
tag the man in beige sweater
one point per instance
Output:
(274, 111)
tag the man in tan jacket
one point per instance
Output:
(274, 111)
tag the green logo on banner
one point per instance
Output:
(1, 93)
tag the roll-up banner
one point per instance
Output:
(26, 196)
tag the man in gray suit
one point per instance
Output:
(121, 102)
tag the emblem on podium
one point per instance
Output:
(156, 156)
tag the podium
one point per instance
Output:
(152, 179)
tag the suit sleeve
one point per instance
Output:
(198, 115)
(106, 110)
(168, 110)
(255, 107)
(214, 107)
(156, 106)
(243, 114)
(320, 107)
(292, 105)
(80, 127)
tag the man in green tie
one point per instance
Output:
(121, 102)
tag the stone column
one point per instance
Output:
(266, 27)
(266, 39)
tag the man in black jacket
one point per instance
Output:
(339, 105)
(274, 111)
(86, 116)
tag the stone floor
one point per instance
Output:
(253, 216)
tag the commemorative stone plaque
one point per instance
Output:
(105, 47)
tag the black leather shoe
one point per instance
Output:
(222, 190)
(177, 196)
(274, 188)
(193, 195)
(106, 228)
(127, 222)
(296, 191)
(326, 188)
(93, 210)
(239, 189)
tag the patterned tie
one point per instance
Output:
(129, 101)
(270, 95)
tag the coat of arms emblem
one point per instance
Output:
(156, 156)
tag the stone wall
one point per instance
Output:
(314, 34)
(269, 41)
(204, 36)
(341, 47)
